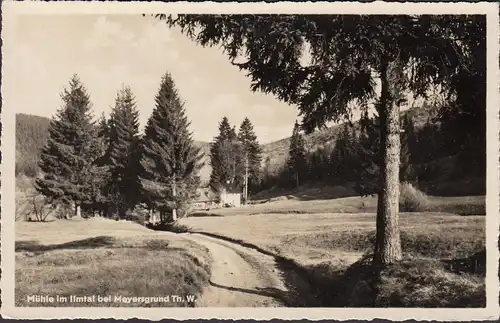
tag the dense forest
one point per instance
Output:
(434, 156)
(441, 165)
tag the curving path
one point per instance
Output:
(243, 277)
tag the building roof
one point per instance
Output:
(204, 195)
(232, 188)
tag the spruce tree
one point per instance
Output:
(170, 160)
(407, 143)
(367, 168)
(349, 54)
(68, 161)
(343, 157)
(103, 135)
(297, 155)
(103, 128)
(225, 156)
(252, 156)
(123, 153)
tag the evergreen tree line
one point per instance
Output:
(354, 156)
(108, 168)
(235, 158)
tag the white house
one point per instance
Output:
(230, 196)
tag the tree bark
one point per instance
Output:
(78, 211)
(122, 213)
(150, 215)
(174, 195)
(388, 241)
(246, 178)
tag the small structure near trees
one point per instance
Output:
(230, 196)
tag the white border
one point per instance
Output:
(491, 312)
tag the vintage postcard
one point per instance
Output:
(250, 161)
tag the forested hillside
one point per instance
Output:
(441, 160)
(436, 162)
(277, 151)
(31, 133)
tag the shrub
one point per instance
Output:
(172, 227)
(411, 199)
(63, 211)
(40, 208)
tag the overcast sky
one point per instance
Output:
(106, 51)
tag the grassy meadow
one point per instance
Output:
(294, 203)
(324, 232)
(107, 258)
(330, 241)
(326, 240)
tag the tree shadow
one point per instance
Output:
(284, 297)
(89, 243)
(321, 195)
(309, 194)
(474, 264)
(354, 286)
(199, 214)
(358, 285)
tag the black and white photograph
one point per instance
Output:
(196, 159)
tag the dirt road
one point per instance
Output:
(243, 277)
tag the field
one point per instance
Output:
(305, 203)
(328, 241)
(444, 253)
(105, 257)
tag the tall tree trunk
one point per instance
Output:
(246, 178)
(150, 215)
(122, 212)
(388, 241)
(174, 195)
(78, 211)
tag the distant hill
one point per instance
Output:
(32, 132)
(277, 151)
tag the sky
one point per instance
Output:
(108, 51)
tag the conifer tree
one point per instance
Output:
(297, 155)
(407, 143)
(252, 155)
(68, 161)
(225, 156)
(170, 160)
(103, 134)
(349, 53)
(123, 152)
(103, 129)
(368, 169)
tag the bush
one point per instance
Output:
(64, 211)
(41, 209)
(172, 227)
(411, 199)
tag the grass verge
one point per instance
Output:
(465, 206)
(441, 266)
(132, 269)
(412, 282)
